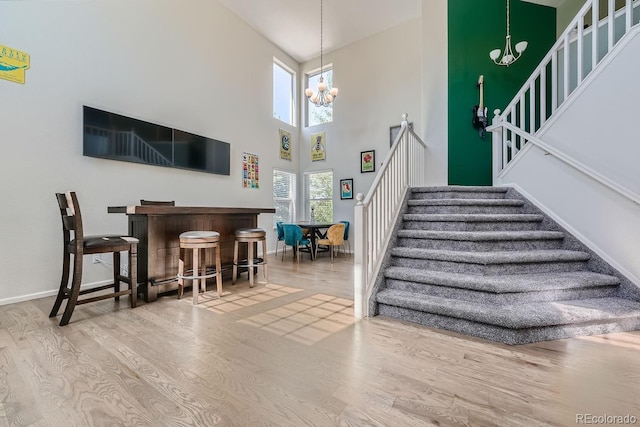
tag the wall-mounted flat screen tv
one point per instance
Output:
(116, 137)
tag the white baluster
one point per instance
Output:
(595, 10)
(360, 307)
(496, 140)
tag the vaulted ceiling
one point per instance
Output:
(294, 25)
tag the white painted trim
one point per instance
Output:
(515, 160)
(595, 248)
(45, 294)
(601, 66)
(612, 185)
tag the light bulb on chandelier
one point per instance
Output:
(508, 57)
(322, 97)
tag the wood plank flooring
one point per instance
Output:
(288, 353)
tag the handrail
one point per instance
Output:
(634, 197)
(528, 108)
(377, 213)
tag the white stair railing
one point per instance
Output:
(376, 214)
(576, 54)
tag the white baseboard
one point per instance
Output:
(578, 235)
(45, 294)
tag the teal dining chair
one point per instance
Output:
(294, 237)
(346, 236)
(280, 234)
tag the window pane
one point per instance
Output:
(284, 196)
(319, 115)
(282, 94)
(319, 195)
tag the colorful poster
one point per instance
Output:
(318, 146)
(285, 144)
(250, 170)
(13, 64)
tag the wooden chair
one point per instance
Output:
(294, 237)
(157, 203)
(79, 245)
(335, 237)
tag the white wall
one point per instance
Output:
(567, 10)
(192, 65)
(197, 67)
(379, 79)
(597, 128)
(435, 117)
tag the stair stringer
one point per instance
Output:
(599, 262)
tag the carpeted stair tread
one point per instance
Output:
(465, 202)
(516, 316)
(486, 258)
(478, 236)
(473, 217)
(483, 261)
(462, 189)
(506, 283)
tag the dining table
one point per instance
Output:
(315, 232)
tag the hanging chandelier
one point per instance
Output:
(322, 97)
(508, 57)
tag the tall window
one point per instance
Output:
(319, 115)
(283, 84)
(284, 196)
(319, 195)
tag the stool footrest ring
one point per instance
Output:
(245, 262)
(206, 276)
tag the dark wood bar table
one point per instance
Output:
(158, 228)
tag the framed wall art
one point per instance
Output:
(250, 171)
(318, 147)
(368, 161)
(346, 188)
(285, 144)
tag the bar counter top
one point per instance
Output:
(184, 210)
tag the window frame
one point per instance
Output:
(293, 179)
(308, 76)
(292, 93)
(307, 200)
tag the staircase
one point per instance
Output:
(484, 261)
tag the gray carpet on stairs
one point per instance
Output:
(484, 261)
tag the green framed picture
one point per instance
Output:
(368, 161)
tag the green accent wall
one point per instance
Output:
(474, 29)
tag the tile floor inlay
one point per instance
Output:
(308, 320)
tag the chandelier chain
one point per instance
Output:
(321, 36)
(508, 56)
(325, 95)
(508, 26)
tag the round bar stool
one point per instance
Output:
(197, 240)
(250, 236)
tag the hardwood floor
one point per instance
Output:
(288, 353)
